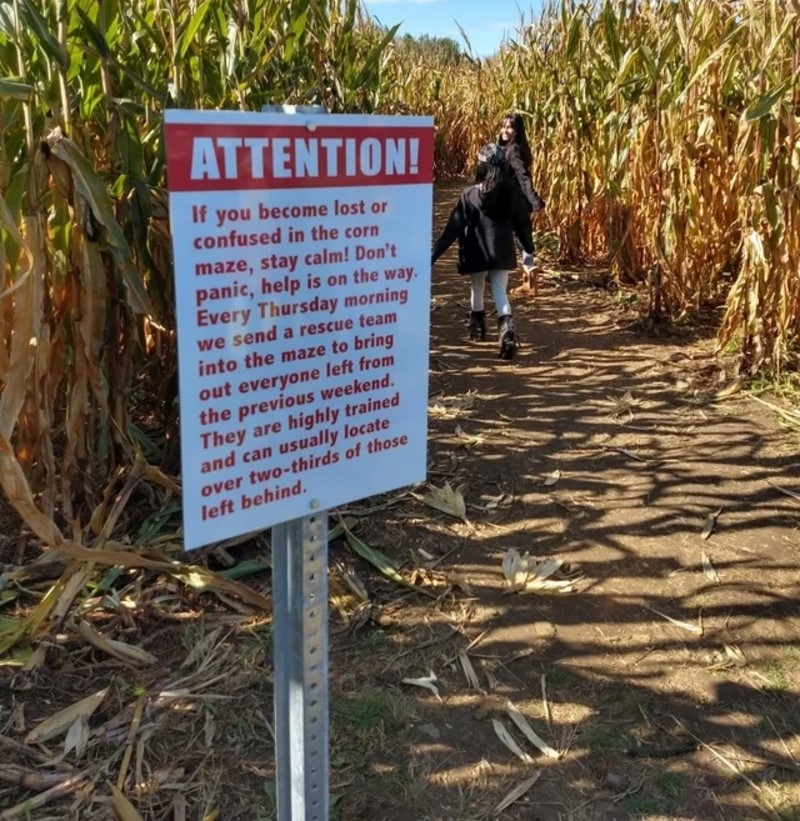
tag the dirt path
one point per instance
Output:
(600, 447)
(664, 689)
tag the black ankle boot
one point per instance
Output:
(477, 325)
(508, 337)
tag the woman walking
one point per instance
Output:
(514, 142)
(485, 219)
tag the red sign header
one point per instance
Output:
(231, 157)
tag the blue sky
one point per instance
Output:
(486, 22)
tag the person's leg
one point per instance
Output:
(477, 316)
(505, 319)
(499, 283)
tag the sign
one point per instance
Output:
(302, 271)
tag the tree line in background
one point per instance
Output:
(665, 139)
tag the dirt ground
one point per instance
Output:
(661, 671)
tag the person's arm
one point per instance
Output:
(521, 220)
(451, 231)
(514, 158)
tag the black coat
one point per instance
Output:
(522, 174)
(486, 243)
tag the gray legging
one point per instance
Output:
(499, 282)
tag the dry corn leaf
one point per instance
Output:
(529, 574)
(686, 625)
(517, 792)
(552, 478)
(118, 649)
(503, 500)
(510, 743)
(18, 491)
(72, 588)
(469, 671)
(735, 655)
(730, 390)
(122, 807)
(446, 499)
(477, 439)
(451, 407)
(528, 731)
(428, 682)
(711, 521)
(202, 648)
(198, 577)
(380, 561)
(622, 404)
(90, 186)
(491, 679)
(708, 568)
(77, 736)
(791, 493)
(156, 476)
(60, 722)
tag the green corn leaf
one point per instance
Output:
(92, 188)
(187, 38)
(93, 34)
(296, 28)
(771, 204)
(246, 568)
(371, 62)
(14, 90)
(38, 25)
(764, 104)
(380, 561)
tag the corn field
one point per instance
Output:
(665, 139)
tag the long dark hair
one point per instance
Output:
(493, 181)
(520, 137)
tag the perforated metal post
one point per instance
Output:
(300, 592)
(300, 655)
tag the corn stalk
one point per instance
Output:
(88, 407)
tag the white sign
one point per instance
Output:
(302, 271)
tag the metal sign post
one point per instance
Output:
(300, 592)
(300, 656)
(298, 238)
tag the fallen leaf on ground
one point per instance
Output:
(428, 682)
(477, 439)
(124, 809)
(524, 573)
(711, 521)
(791, 493)
(508, 740)
(503, 500)
(380, 561)
(77, 737)
(517, 792)
(552, 478)
(117, 649)
(686, 625)
(622, 404)
(469, 671)
(446, 499)
(450, 407)
(528, 731)
(708, 568)
(735, 655)
(731, 390)
(61, 721)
